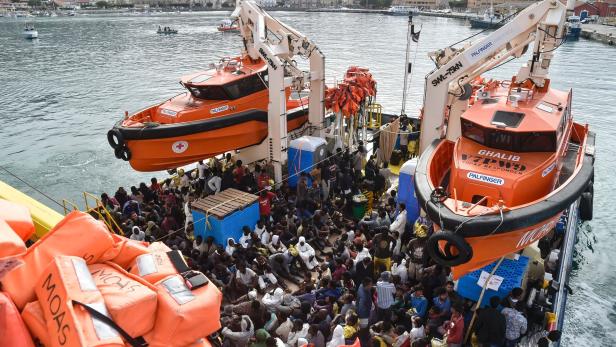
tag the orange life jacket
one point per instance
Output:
(66, 280)
(184, 315)
(124, 251)
(13, 331)
(18, 217)
(78, 234)
(35, 321)
(11, 244)
(130, 300)
(155, 266)
(158, 247)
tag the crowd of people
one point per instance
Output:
(308, 272)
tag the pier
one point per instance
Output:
(601, 33)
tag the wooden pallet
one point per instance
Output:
(224, 203)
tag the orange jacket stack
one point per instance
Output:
(145, 290)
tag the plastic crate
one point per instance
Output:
(512, 271)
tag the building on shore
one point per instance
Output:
(503, 4)
(606, 8)
(422, 4)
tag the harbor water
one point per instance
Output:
(61, 93)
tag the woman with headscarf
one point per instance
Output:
(337, 337)
(231, 247)
(276, 246)
(401, 271)
(138, 234)
(306, 253)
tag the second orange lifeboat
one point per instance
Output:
(224, 108)
(519, 162)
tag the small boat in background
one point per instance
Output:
(490, 20)
(228, 25)
(401, 10)
(574, 28)
(29, 32)
(166, 30)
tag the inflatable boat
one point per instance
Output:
(223, 109)
(519, 161)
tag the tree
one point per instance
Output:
(209, 5)
(34, 3)
(102, 4)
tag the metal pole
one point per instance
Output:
(406, 63)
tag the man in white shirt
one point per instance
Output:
(386, 292)
(399, 224)
(201, 167)
(214, 183)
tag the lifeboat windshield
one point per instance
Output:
(503, 139)
(239, 88)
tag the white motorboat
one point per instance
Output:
(30, 33)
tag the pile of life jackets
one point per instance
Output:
(81, 285)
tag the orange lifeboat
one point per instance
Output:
(519, 161)
(224, 108)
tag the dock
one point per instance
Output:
(599, 32)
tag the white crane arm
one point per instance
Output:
(542, 22)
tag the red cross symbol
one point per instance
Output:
(179, 146)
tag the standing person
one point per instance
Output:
(454, 328)
(386, 292)
(364, 302)
(214, 182)
(491, 325)
(265, 204)
(404, 141)
(515, 324)
(238, 174)
(201, 167)
(399, 224)
(382, 254)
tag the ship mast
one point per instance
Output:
(407, 65)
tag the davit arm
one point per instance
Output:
(542, 22)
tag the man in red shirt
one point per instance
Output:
(265, 203)
(455, 327)
(238, 173)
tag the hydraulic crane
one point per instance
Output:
(447, 87)
(278, 45)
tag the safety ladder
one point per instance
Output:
(96, 209)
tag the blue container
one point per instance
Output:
(512, 271)
(406, 190)
(303, 154)
(228, 227)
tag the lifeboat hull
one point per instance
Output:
(173, 145)
(468, 242)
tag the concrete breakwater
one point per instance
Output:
(601, 33)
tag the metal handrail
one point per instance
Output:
(374, 112)
(67, 209)
(105, 215)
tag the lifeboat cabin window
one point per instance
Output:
(245, 86)
(533, 141)
(207, 92)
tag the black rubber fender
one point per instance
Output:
(586, 206)
(123, 153)
(115, 138)
(446, 256)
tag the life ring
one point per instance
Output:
(115, 138)
(123, 153)
(446, 256)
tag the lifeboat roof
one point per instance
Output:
(228, 71)
(540, 112)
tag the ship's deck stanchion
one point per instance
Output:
(101, 211)
(374, 116)
(69, 206)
